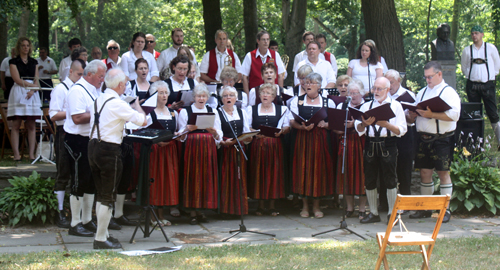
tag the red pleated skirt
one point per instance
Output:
(312, 165)
(230, 192)
(354, 168)
(200, 172)
(267, 177)
(164, 169)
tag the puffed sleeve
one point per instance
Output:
(249, 113)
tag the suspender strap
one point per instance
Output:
(93, 99)
(485, 58)
(377, 132)
(96, 117)
(471, 61)
(442, 90)
(67, 88)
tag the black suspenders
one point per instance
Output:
(377, 132)
(96, 117)
(442, 90)
(93, 99)
(485, 58)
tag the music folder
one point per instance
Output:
(406, 97)
(337, 99)
(315, 119)
(285, 97)
(147, 109)
(381, 113)
(247, 135)
(269, 131)
(202, 120)
(436, 104)
(336, 119)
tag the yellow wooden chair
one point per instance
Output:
(407, 238)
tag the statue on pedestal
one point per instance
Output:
(443, 48)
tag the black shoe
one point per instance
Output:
(194, 221)
(201, 218)
(90, 226)
(124, 221)
(113, 225)
(113, 240)
(79, 230)
(371, 218)
(362, 215)
(106, 245)
(421, 214)
(62, 221)
(447, 216)
(405, 212)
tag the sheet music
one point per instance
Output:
(205, 121)
(187, 97)
(151, 101)
(25, 101)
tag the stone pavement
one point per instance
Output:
(289, 227)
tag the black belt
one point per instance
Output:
(103, 142)
(429, 137)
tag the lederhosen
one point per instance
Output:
(380, 158)
(277, 100)
(173, 95)
(105, 160)
(487, 90)
(77, 147)
(140, 94)
(63, 174)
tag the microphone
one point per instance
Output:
(348, 99)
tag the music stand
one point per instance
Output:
(343, 223)
(242, 228)
(40, 88)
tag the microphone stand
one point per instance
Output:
(243, 228)
(370, 94)
(343, 223)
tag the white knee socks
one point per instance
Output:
(103, 217)
(88, 202)
(446, 189)
(76, 208)
(426, 188)
(60, 198)
(120, 199)
(391, 198)
(372, 201)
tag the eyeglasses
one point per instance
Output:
(430, 77)
(311, 83)
(375, 89)
(150, 41)
(229, 96)
(112, 48)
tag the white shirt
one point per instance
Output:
(479, 72)
(384, 64)
(113, 117)
(5, 66)
(113, 64)
(303, 56)
(451, 97)
(247, 62)
(236, 117)
(128, 64)
(49, 64)
(65, 63)
(252, 95)
(361, 73)
(183, 119)
(79, 101)
(283, 122)
(399, 120)
(58, 99)
(322, 67)
(220, 62)
(166, 57)
(400, 92)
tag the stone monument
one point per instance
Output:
(443, 51)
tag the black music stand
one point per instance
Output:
(343, 223)
(243, 228)
(147, 209)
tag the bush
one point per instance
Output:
(476, 184)
(29, 198)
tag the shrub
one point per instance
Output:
(29, 198)
(476, 184)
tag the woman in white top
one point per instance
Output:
(136, 51)
(185, 51)
(358, 68)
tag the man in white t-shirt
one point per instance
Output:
(306, 38)
(167, 55)
(318, 65)
(74, 43)
(6, 79)
(46, 68)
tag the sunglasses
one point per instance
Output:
(150, 41)
(113, 48)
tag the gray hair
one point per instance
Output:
(229, 89)
(392, 73)
(114, 77)
(433, 64)
(111, 41)
(229, 73)
(93, 66)
(271, 86)
(304, 71)
(356, 84)
(150, 35)
(201, 89)
(157, 85)
(314, 77)
(219, 32)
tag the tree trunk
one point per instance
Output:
(382, 25)
(454, 23)
(75, 13)
(3, 41)
(250, 21)
(351, 50)
(43, 24)
(293, 42)
(427, 43)
(213, 22)
(285, 14)
(23, 24)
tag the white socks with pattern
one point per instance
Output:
(372, 200)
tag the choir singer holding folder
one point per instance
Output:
(435, 135)
(381, 152)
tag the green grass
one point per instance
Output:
(457, 253)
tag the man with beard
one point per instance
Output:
(167, 55)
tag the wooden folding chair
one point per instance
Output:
(407, 238)
(8, 126)
(49, 125)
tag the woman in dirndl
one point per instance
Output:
(312, 170)
(267, 158)
(200, 178)
(355, 177)
(24, 104)
(164, 169)
(230, 192)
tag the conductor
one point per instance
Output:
(108, 116)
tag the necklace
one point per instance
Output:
(312, 99)
(266, 109)
(25, 61)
